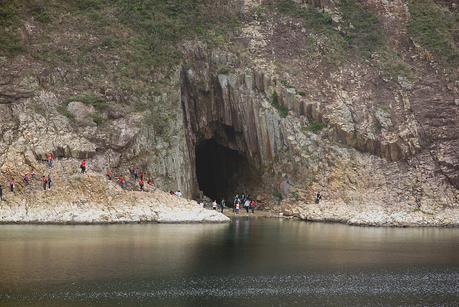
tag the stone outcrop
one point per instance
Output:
(86, 199)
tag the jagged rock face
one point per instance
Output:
(235, 110)
(232, 109)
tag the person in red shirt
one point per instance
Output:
(122, 181)
(253, 205)
(141, 184)
(83, 166)
(50, 159)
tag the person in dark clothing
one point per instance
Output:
(109, 175)
(49, 181)
(25, 179)
(222, 205)
(12, 185)
(1, 193)
(318, 197)
(44, 180)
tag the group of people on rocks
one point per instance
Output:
(244, 200)
(136, 174)
(29, 177)
(240, 200)
(176, 193)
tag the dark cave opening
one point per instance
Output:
(221, 171)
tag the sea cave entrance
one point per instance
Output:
(222, 172)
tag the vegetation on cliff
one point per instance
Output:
(434, 28)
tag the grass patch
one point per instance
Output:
(317, 20)
(392, 66)
(160, 25)
(283, 110)
(10, 40)
(363, 31)
(277, 196)
(360, 31)
(90, 99)
(63, 110)
(98, 119)
(433, 27)
(314, 127)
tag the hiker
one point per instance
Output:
(32, 174)
(150, 182)
(109, 175)
(247, 205)
(122, 181)
(238, 207)
(45, 182)
(25, 179)
(318, 197)
(142, 175)
(214, 205)
(141, 184)
(1, 193)
(12, 185)
(49, 181)
(83, 166)
(253, 204)
(222, 205)
(50, 159)
(236, 199)
(178, 193)
(136, 173)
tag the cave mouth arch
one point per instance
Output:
(222, 172)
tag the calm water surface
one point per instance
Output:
(250, 262)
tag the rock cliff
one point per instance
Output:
(281, 99)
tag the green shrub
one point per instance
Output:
(39, 12)
(433, 28)
(315, 127)
(98, 118)
(89, 99)
(283, 110)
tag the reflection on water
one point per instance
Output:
(250, 261)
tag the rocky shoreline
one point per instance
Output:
(373, 215)
(90, 199)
